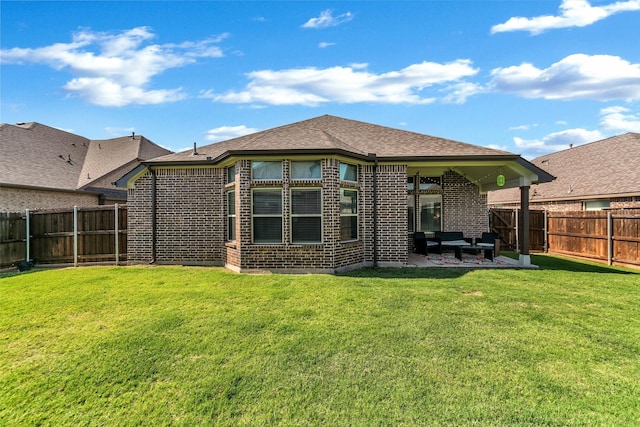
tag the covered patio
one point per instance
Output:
(448, 213)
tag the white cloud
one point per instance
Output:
(349, 85)
(557, 141)
(323, 45)
(458, 93)
(497, 147)
(326, 19)
(573, 13)
(228, 132)
(114, 69)
(115, 132)
(579, 76)
(620, 119)
(523, 127)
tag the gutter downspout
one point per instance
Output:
(153, 216)
(375, 209)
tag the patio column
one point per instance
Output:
(524, 258)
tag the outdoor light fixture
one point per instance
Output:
(500, 180)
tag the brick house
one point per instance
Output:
(46, 168)
(599, 175)
(323, 195)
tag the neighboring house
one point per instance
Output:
(601, 175)
(323, 195)
(43, 168)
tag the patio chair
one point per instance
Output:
(422, 244)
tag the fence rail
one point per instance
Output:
(612, 236)
(71, 236)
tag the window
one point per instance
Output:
(411, 212)
(410, 183)
(267, 215)
(305, 170)
(348, 215)
(306, 216)
(231, 215)
(231, 174)
(348, 172)
(596, 205)
(430, 212)
(266, 170)
(430, 183)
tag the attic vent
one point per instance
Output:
(20, 124)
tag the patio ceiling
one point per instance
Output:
(484, 173)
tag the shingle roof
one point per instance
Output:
(338, 134)
(36, 155)
(595, 170)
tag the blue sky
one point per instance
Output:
(530, 77)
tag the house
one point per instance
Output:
(44, 168)
(322, 195)
(600, 175)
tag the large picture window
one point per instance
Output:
(267, 215)
(348, 215)
(231, 215)
(306, 216)
(348, 172)
(306, 170)
(266, 170)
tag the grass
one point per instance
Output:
(199, 346)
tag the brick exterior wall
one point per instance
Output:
(20, 199)
(191, 218)
(463, 207)
(391, 214)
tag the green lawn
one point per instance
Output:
(198, 346)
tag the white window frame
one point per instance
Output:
(318, 215)
(280, 215)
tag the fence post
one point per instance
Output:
(28, 232)
(609, 238)
(75, 236)
(117, 232)
(546, 232)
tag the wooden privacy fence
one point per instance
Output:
(505, 223)
(612, 236)
(72, 236)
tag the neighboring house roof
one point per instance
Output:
(601, 169)
(330, 135)
(39, 156)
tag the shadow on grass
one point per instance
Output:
(409, 273)
(552, 262)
